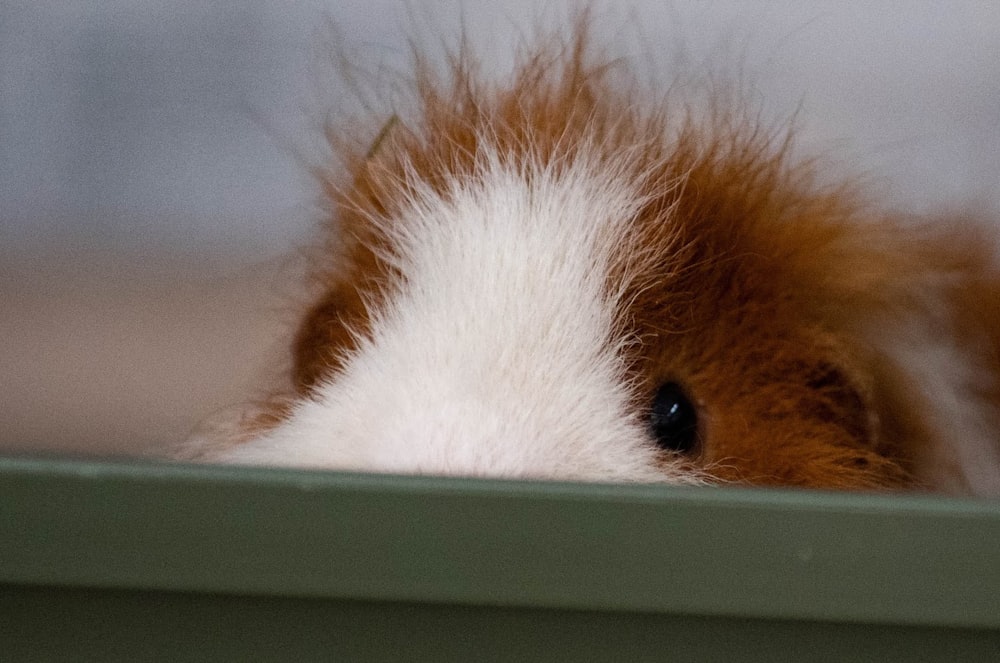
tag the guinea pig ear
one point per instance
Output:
(936, 334)
(232, 426)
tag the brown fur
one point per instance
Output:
(762, 291)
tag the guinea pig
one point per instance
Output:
(564, 275)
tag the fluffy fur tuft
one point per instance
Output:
(514, 269)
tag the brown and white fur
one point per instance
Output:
(510, 273)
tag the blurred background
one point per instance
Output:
(151, 199)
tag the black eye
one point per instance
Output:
(673, 419)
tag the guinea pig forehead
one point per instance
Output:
(698, 302)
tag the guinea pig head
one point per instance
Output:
(560, 277)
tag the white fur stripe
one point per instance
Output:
(497, 355)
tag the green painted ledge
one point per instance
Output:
(153, 561)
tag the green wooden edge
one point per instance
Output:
(757, 554)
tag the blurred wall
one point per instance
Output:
(150, 196)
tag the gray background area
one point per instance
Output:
(150, 200)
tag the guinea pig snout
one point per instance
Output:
(449, 419)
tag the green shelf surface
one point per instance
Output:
(116, 560)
